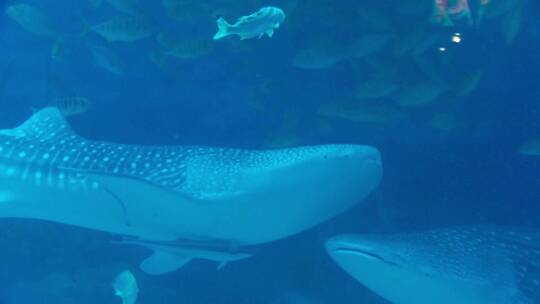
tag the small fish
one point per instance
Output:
(123, 29)
(125, 286)
(107, 59)
(264, 21)
(32, 19)
(465, 265)
(71, 106)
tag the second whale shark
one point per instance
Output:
(157, 195)
(465, 265)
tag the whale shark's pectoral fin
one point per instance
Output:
(161, 262)
(128, 187)
(138, 199)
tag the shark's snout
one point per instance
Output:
(355, 155)
(367, 154)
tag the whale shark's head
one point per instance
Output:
(461, 265)
(282, 192)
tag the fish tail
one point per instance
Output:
(223, 29)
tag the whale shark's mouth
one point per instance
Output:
(363, 253)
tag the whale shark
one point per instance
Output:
(466, 265)
(161, 194)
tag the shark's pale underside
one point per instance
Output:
(465, 265)
(160, 194)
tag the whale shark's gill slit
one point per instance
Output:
(122, 205)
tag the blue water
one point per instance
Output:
(249, 93)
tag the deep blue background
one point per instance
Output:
(432, 178)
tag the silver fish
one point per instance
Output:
(264, 21)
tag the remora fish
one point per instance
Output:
(160, 193)
(174, 255)
(264, 21)
(466, 265)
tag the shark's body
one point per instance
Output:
(466, 265)
(167, 193)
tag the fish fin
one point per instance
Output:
(270, 33)
(161, 262)
(186, 250)
(45, 125)
(223, 29)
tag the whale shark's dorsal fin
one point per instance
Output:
(45, 125)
